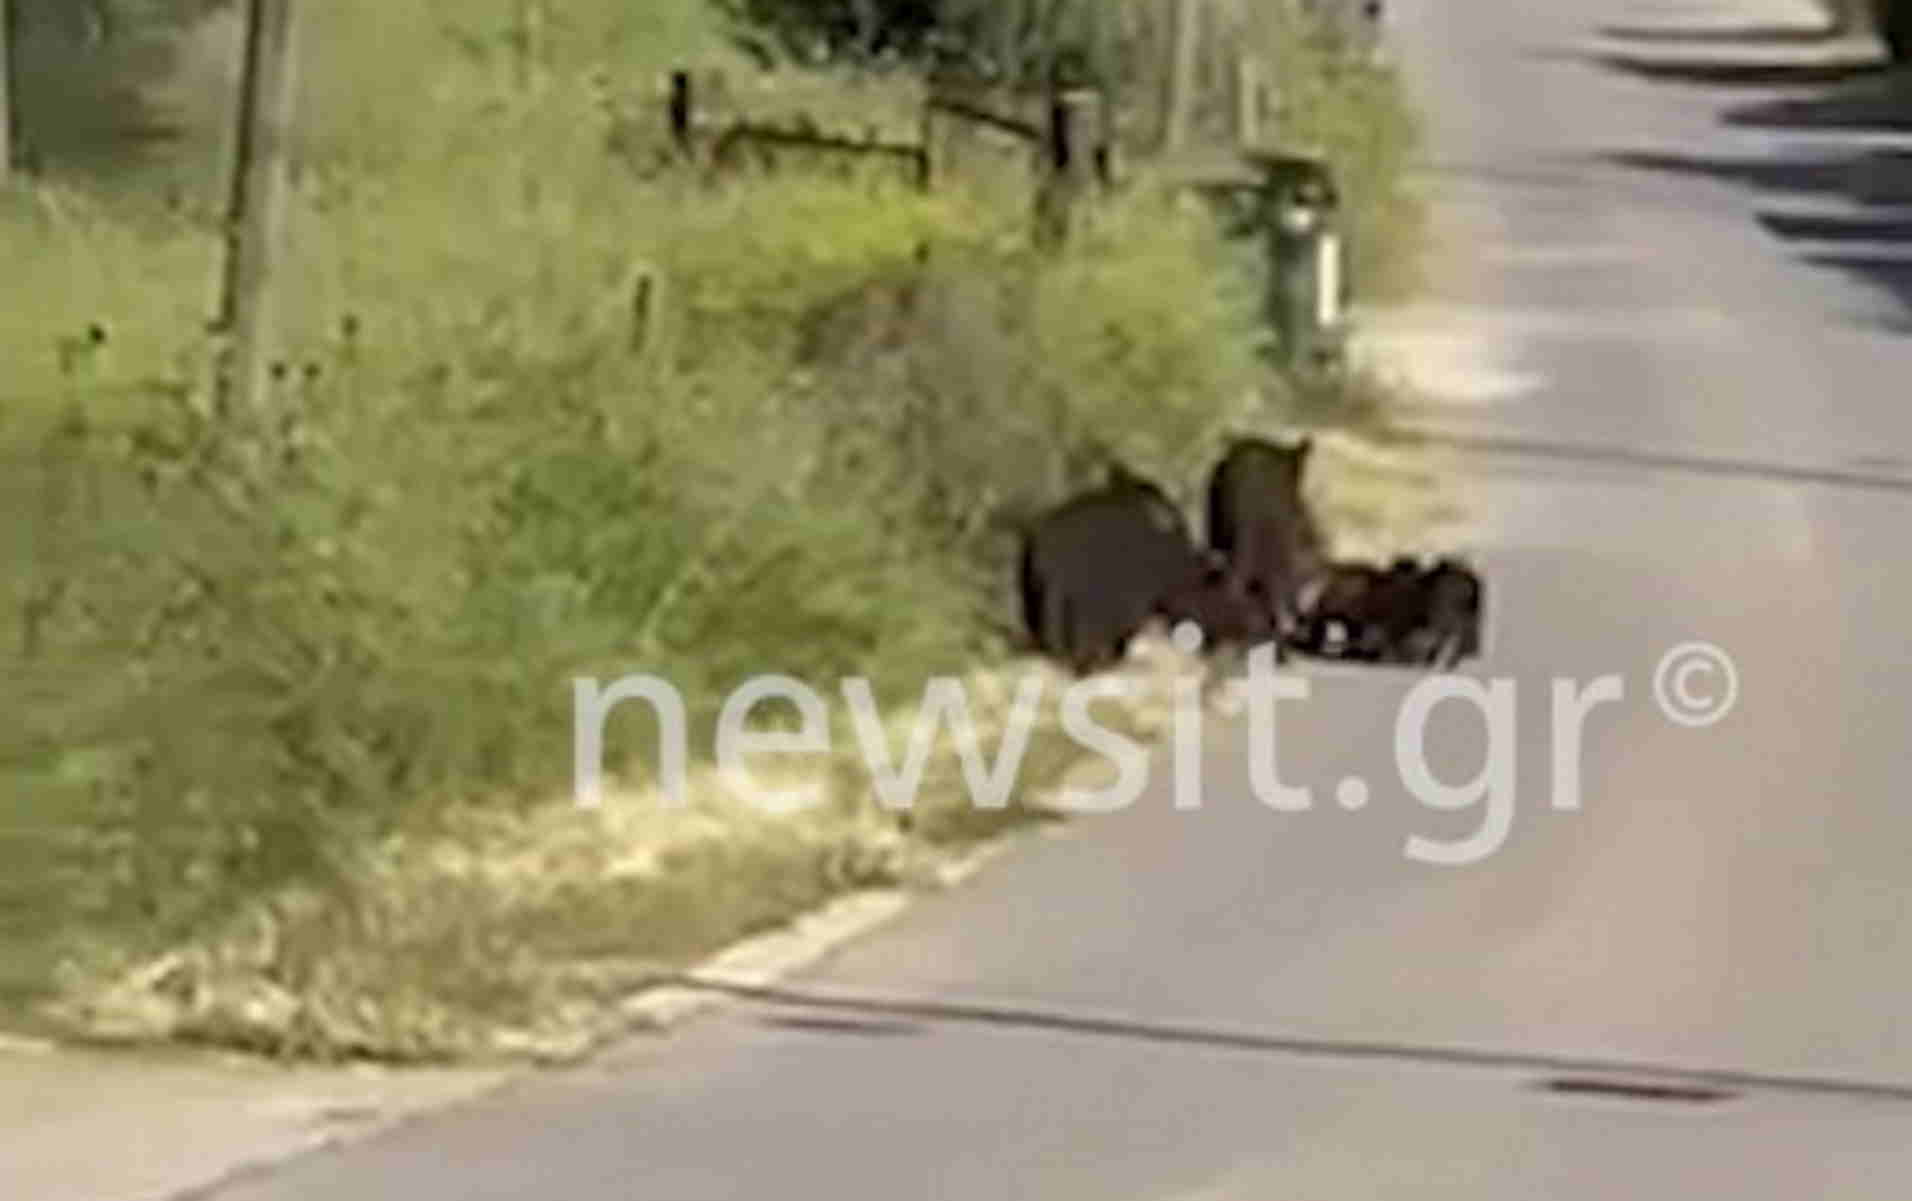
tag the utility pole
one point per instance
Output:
(256, 204)
(6, 91)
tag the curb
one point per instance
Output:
(774, 956)
(810, 937)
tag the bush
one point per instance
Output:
(250, 652)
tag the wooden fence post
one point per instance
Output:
(1108, 149)
(644, 305)
(255, 214)
(1074, 119)
(927, 168)
(1247, 99)
(681, 110)
(1184, 59)
(1075, 122)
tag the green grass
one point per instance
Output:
(289, 701)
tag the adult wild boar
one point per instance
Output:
(1096, 569)
(1259, 520)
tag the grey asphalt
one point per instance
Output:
(1683, 421)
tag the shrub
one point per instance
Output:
(247, 650)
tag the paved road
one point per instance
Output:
(1712, 426)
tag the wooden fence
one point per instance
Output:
(1064, 132)
(745, 141)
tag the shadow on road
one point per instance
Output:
(1845, 185)
(1893, 276)
(1846, 86)
(1829, 175)
(1755, 72)
(1879, 102)
(1767, 55)
(1874, 103)
(1748, 35)
(1814, 227)
(857, 1027)
(890, 1011)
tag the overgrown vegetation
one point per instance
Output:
(293, 692)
